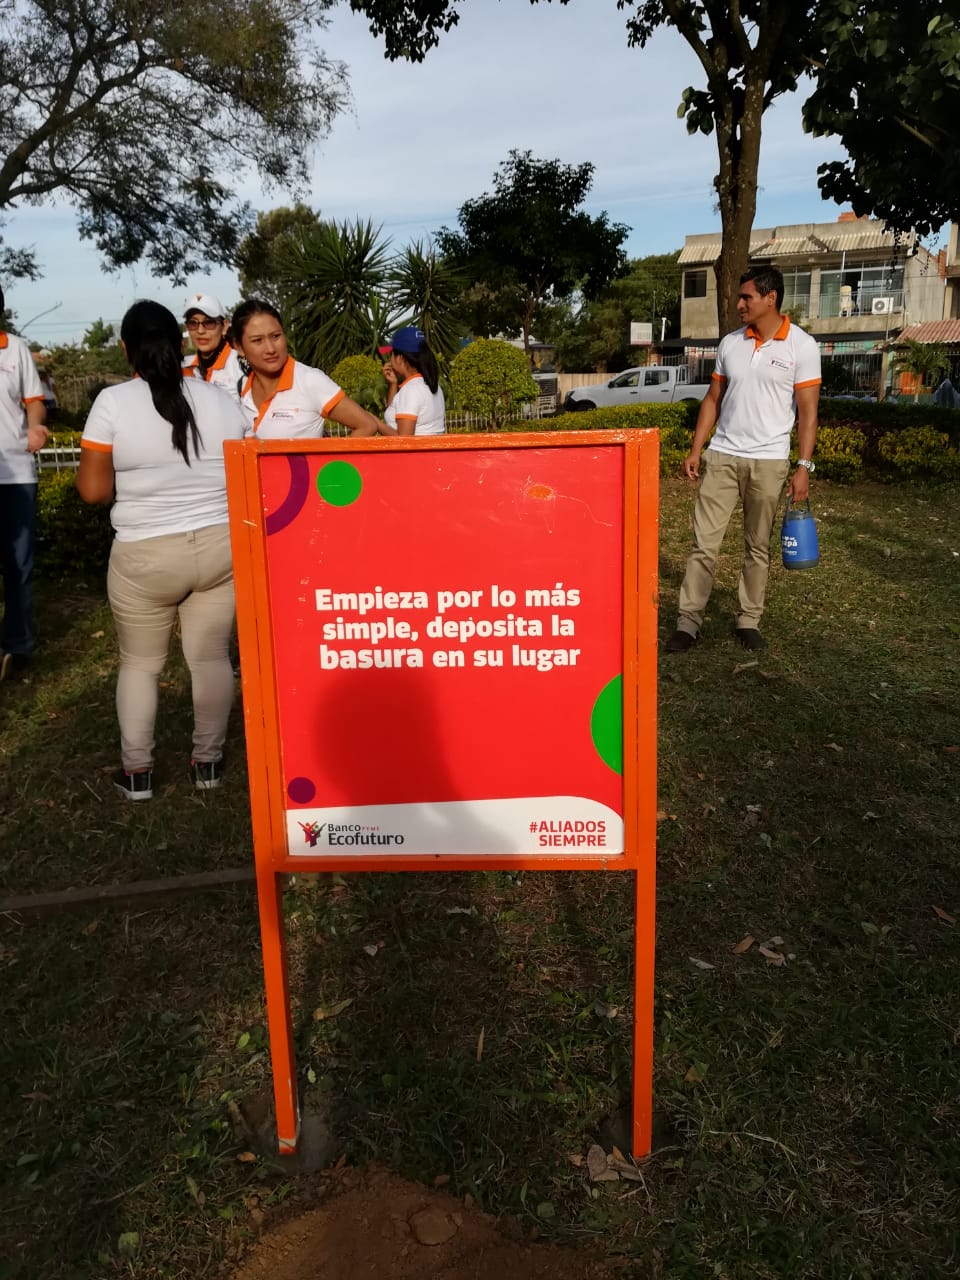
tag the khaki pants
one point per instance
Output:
(758, 484)
(150, 583)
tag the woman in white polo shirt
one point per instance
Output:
(215, 359)
(415, 405)
(155, 445)
(283, 398)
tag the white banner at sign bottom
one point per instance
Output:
(547, 825)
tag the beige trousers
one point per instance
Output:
(150, 583)
(758, 484)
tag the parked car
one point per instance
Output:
(653, 384)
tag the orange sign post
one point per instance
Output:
(449, 662)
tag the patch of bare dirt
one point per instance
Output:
(375, 1225)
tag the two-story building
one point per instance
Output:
(850, 283)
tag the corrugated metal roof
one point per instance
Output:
(708, 249)
(934, 331)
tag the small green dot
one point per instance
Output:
(606, 724)
(339, 483)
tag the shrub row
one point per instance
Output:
(865, 441)
(857, 440)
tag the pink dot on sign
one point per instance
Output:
(301, 790)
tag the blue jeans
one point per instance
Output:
(18, 522)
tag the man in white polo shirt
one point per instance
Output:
(22, 433)
(767, 376)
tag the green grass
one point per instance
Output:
(810, 797)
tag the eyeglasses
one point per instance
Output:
(200, 323)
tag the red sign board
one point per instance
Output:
(449, 653)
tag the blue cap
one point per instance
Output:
(409, 340)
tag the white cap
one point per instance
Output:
(206, 304)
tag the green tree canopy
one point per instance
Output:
(890, 91)
(134, 111)
(598, 336)
(259, 252)
(529, 240)
(99, 335)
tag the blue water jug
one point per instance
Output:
(798, 537)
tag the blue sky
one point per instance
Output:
(421, 139)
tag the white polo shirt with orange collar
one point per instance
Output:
(19, 386)
(303, 398)
(225, 372)
(759, 405)
(415, 401)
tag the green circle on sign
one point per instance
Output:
(606, 724)
(339, 483)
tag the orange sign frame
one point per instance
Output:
(248, 526)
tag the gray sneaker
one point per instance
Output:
(206, 774)
(134, 786)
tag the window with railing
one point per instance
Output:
(796, 295)
(861, 290)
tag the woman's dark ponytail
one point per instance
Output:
(152, 338)
(425, 363)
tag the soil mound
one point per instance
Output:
(375, 1225)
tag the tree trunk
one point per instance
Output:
(738, 145)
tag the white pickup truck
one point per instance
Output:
(653, 384)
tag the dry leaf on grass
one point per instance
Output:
(744, 944)
(701, 964)
(832, 746)
(663, 816)
(945, 916)
(576, 1159)
(693, 1076)
(773, 957)
(247, 1157)
(319, 1015)
(745, 666)
(480, 1043)
(597, 1166)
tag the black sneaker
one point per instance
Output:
(680, 642)
(135, 786)
(206, 774)
(750, 638)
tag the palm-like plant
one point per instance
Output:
(429, 291)
(332, 283)
(923, 361)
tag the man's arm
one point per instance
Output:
(37, 433)
(808, 401)
(706, 421)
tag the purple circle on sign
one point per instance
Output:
(296, 496)
(301, 790)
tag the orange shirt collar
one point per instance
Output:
(284, 383)
(779, 336)
(3, 341)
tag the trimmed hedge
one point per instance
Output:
(73, 539)
(857, 440)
